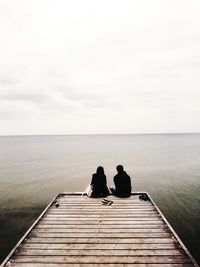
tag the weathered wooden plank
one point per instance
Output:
(113, 206)
(114, 228)
(99, 252)
(103, 207)
(95, 223)
(99, 205)
(112, 211)
(93, 200)
(101, 235)
(113, 217)
(101, 218)
(97, 201)
(14, 264)
(101, 240)
(104, 213)
(141, 246)
(103, 230)
(102, 259)
(99, 210)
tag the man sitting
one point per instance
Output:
(122, 183)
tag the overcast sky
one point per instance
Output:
(109, 66)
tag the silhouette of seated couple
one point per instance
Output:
(122, 183)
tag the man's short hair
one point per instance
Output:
(120, 168)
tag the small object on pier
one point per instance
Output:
(56, 204)
(107, 202)
(144, 197)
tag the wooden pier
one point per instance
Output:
(77, 231)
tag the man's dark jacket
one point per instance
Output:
(122, 184)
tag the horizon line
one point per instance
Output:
(84, 134)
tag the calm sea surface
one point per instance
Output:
(33, 169)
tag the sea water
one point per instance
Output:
(33, 169)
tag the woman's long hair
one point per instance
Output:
(100, 170)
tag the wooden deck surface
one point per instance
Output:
(82, 232)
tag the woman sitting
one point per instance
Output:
(99, 184)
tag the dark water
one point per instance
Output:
(33, 169)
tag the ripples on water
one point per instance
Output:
(33, 169)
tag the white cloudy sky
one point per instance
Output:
(90, 66)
